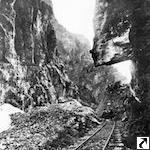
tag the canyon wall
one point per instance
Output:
(121, 34)
(34, 51)
(39, 66)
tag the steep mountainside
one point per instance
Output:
(34, 52)
(73, 49)
(122, 33)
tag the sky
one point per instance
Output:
(76, 16)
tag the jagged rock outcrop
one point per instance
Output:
(122, 33)
(112, 26)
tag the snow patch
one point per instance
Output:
(5, 120)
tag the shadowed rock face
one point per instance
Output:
(122, 33)
(140, 40)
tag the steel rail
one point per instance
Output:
(108, 139)
(84, 142)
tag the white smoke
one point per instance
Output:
(124, 71)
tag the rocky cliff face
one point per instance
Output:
(32, 73)
(112, 26)
(122, 33)
(37, 57)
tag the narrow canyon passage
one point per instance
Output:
(74, 74)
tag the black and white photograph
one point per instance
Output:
(74, 74)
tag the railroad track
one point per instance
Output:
(106, 137)
(114, 141)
